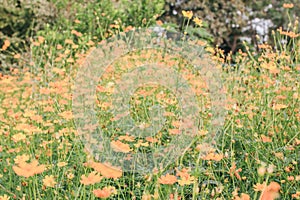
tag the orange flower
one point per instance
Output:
(265, 139)
(61, 164)
(235, 172)
(151, 139)
(107, 170)
(127, 138)
(90, 43)
(269, 66)
(49, 181)
(245, 196)
(173, 196)
(259, 187)
(296, 195)
(28, 169)
(167, 179)
(182, 173)
(297, 142)
(169, 114)
(78, 34)
(5, 45)
(279, 155)
(59, 46)
(288, 5)
(21, 159)
(186, 178)
(213, 156)
(119, 146)
(279, 106)
(141, 143)
(159, 23)
(66, 115)
(242, 197)
(271, 192)
(17, 56)
(176, 124)
(105, 192)
(174, 131)
(92, 178)
(202, 132)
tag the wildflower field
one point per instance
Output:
(254, 155)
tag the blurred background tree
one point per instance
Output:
(19, 20)
(23, 20)
(233, 21)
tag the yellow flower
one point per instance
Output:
(186, 180)
(279, 106)
(202, 132)
(198, 21)
(187, 14)
(49, 181)
(70, 176)
(18, 137)
(261, 170)
(146, 197)
(61, 164)
(4, 197)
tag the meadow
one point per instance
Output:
(256, 154)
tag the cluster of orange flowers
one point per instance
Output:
(105, 192)
(26, 169)
(269, 192)
(28, 123)
(185, 178)
(290, 34)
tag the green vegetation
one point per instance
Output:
(256, 156)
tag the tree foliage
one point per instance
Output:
(231, 22)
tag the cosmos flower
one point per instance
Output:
(271, 192)
(92, 178)
(106, 170)
(119, 146)
(28, 169)
(105, 192)
(167, 179)
(49, 181)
